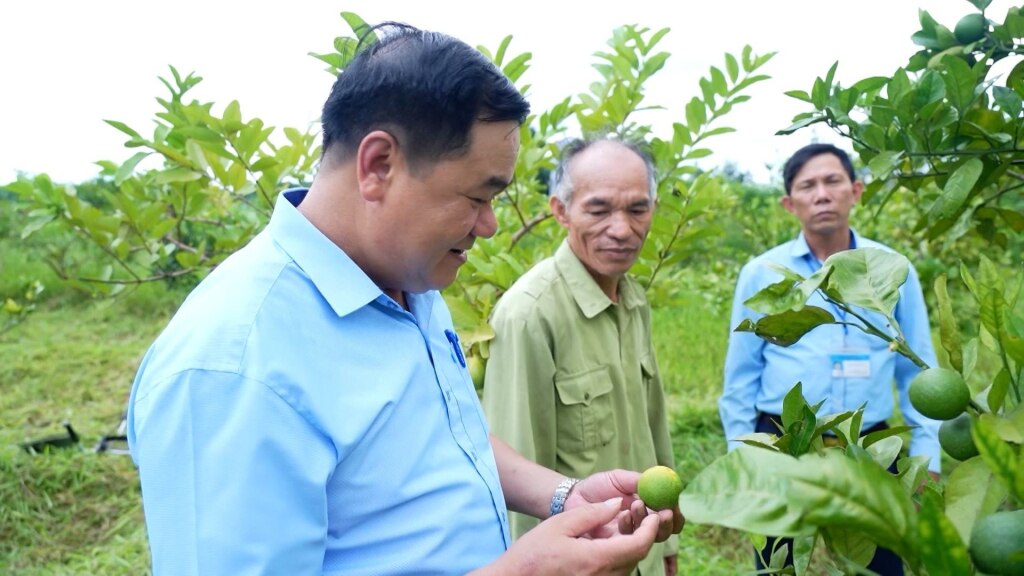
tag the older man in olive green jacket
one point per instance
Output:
(572, 382)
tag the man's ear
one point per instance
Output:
(376, 161)
(858, 189)
(787, 202)
(558, 210)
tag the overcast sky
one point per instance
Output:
(66, 65)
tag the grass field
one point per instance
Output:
(79, 512)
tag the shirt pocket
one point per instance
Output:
(584, 409)
(647, 371)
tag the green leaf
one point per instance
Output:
(960, 81)
(868, 277)
(124, 171)
(801, 123)
(832, 422)
(778, 297)
(956, 190)
(1003, 460)
(885, 450)
(832, 490)
(851, 544)
(799, 95)
(786, 328)
(949, 329)
(746, 490)
(997, 392)
(1008, 100)
(870, 84)
(913, 470)
(884, 162)
(793, 405)
(942, 549)
(179, 174)
(695, 115)
(971, 492)
(124, 128)
(873, 437)
(732, 67)
(930, 88)
(759, 439)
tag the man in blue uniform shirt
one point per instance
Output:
(308, 409)
(842, 366)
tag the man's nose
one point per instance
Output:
(618, 225)
(486, 222)
(822, 194)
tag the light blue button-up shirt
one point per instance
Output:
(293, 419)
(758, 375)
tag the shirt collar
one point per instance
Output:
(585, 291)
(800, 248)
(338, 279)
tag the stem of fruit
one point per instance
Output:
(977, 407)
(897, 344)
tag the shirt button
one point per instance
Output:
(586, 396)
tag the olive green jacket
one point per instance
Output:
(572, 382)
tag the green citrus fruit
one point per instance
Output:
(970, 28)
(660, 487)
(997, 543)
(939, 393)
(1015, 79)
(477, 366)
(955, 438)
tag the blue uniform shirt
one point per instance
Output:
(293, 419)
(758, 375)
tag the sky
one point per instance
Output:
(66, 65)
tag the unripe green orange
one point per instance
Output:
(939, 393)
(970, 28)
(660, 487)
(997, 543)
(955, 438)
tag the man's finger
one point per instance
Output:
(584, 519)
(624, 552)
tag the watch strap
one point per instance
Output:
(561, 493)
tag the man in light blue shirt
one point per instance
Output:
(821, 189)
(308, 409)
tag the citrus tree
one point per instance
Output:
(218, 173)
(948, 130)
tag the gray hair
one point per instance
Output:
(561, 184)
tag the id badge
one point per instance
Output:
(850, 364)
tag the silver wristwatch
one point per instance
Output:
(561, 493)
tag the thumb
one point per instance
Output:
(583, 519)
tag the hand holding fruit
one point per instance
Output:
(623, 483)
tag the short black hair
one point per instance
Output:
(802, 156)
(425, 88)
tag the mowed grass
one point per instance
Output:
(79, 512)
(72, 511)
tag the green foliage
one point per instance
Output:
(218, 175)
(849, 489)
(217, 183)
(940, 128)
